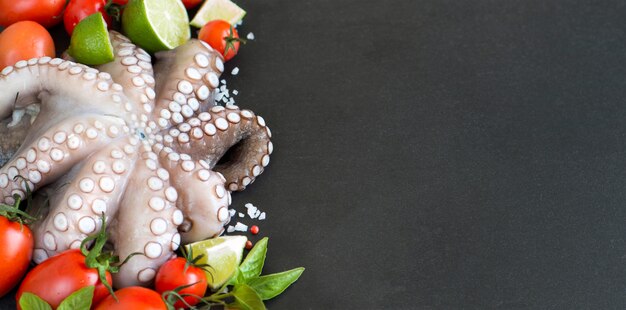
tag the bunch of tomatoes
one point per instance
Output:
(178, 282)
(26, 36)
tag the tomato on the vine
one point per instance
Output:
(61, 275)
(45, 12)
(77, 10)
(222, 36)
(23, 41)
(178, 272)
(133, 297)
(15, 253)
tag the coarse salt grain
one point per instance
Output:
(241, 214)
(235, 92)
(230, 228)
(250, 36)
(235, 71)
(232, 212)
(241, 227)
(262, 216)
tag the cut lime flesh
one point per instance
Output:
(90, 43)
(222, 254)
(156, 25)
(218, 9)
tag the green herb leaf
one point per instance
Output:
(79, 300)
(246, 298)
(30, 301)
(253, 264)
(272, 285)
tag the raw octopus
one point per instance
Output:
(145, 146)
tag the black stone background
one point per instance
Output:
(441, 154)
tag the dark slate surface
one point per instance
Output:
(441, 154)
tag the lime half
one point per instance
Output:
(223, 254)
(90, 43)
(156, 25)
(217, 9)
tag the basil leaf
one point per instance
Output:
(272, 285)
(246, 298)
(79, 300)
(30, 301)
(253, 264)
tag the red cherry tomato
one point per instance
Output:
(190, 4)
(172, 274)
(23, 41)
(77, 10)
(45, 12)
(61, 275)
(15, 253)
(222, 36)
(133, 297)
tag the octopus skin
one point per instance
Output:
(141, 144)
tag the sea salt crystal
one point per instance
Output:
(241, 227)
(230, 228)
(262, 216)
(241, 214)
(250, 36)
(223, 81)
(235, 92)
(232, 212)
(235, 71)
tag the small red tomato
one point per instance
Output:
(190, 4)
(23, 41)
(61, 275)
(133, 297)
(248, 245)
(77, 10)
(222, 36)
(45, 12)
(254, 229)
(15, 253)
(173, 274)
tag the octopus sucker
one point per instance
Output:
(143, 145)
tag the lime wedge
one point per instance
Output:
(90, 43)
(223, 254)
(217, 9)
(156, 25)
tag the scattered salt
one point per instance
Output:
(223, 81)
(241, 214)
(250, 36)
(230, 228)
(241, 227)
(235, 71)
(232, 212)
(262, 216)
(235, 92)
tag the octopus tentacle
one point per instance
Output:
(77, 207)
(202, 196)
(215, 132)
(48, 80)
(132, 66)
(186, 77)
(43, 158)
(146, 223)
